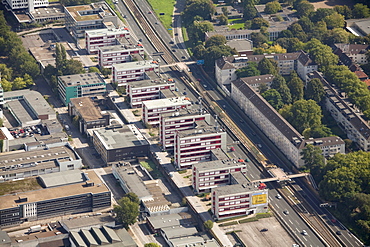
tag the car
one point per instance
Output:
(232, 149)
(185, 93)
(286, 212)
(176, 89)
(264, 230)
(259, 145)
(171, 42)
(149, 12)
(140, 40)
(304, 233)
(174, 50)
(333, 220)
(278, 196)
(66, 127)
(339, 233)
(241, 120)
(176, 34)
(183, 57)
(204, 85)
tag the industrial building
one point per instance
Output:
(120, 143)
(183, 119)
(67, 192)
(80, 85)
(152, 109)
(195, 145)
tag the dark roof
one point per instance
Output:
(352, 48)
(258, 79)
(304, 59)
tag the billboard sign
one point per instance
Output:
(259, 199)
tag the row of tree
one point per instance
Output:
(18, 68)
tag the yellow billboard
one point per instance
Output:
(259, 199)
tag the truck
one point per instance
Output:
(36, 228)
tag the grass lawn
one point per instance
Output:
(19, 186)
(236, 23)
(166, 7)
(152, 168)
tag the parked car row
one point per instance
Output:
(27, 131)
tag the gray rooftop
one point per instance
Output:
(120, 137)
(106, 31)
(240, 178)
(158, 103)
(136, 65)
(154, 81)
(201, 128)
(81, 79)
(218, 164)
(79, 241)
(183, 113)
(179, 231)
(194, 241)
(81, 222)
(323, 141)
(120, 48)
(220, 154)
(63, 178)
(240, 45)
(167, 220)
(87, 109)
(259, 79)
(236, 189)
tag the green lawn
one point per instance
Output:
(19, 186)
(166, 7)
(152, 168)
(236, 24)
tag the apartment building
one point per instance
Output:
(139, 91)
(124, 73)
(80, 85)
(239, 199)
(120, 143)
(64, 193)
(348, 117)
(105, 37)
(121, 53)
(226, 67)
(256, 81)
(195, 145)
(211, 174)
(273, 125)
(81, 18)
(152, 109)
(357, 52)
(183, 119)
(89, 116)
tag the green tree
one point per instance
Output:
(250, 12)
(290, 44)
(202, 8)
(334, 21)
(208, 225)
(73, 67)
(297, 31)
(28, 80)
(18, 83)
(267, 66)
(197, 29)
(337, 35)
(248, 71)
(223, 20)
(306, 24)
(199, 51)
(360, 11)
(7, 85)
(258, 39)
(321, 54)
(296, 86)
(215, 52)
(304, 8)
(126, 211)
(272, 7)
(314, 90)
(273, 97)
(280, 85)
(216, 40)
(94, 70)
(258, 22)
(152, 245)
(320, 14)
(343, 10)
(314, 160)
(133, 197)
(319, 31)
(106, 71)
(302, 114)
(263, 88)
(6, 72)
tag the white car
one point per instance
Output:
(66, 127)
(278, 196)
(304, 233)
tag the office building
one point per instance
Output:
(152, 109)
(183, 119)
(69, 192)
(99, 38)
(80, 85)
(121, 53)
(195, 145)
(30, 5)
(120, 143)
(139, 91)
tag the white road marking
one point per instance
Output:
(291, 222)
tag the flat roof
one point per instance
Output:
(9, 201)
(159, 202)
(34, 99)
(87, 109)
(136, 65)
(240, 44)
(107, 32)
(218, 164)
(194, 241)
(150, 83)
(120, 48)
(201, 128)
(158, 103)
(179, 231)
(63, 178)
(240, 178)
(121, 136)
(80, 222)
(184, 113)
(81, 79)
(90, 12)
(53, 10)
(169, 220)
(237, 188)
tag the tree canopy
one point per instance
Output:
(295, 85)
(280, 85)
(127, 209)
(268, 66)
(314, 90)
(248, 71)
(272, 96)
(272, 7)
(203, 8)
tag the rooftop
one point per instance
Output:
(86, 108)
(53, 10)
(352, 48)
(218, 164)
(63, 178)
(93, 11)
(201, 128)
(151, 83)
(122, 136)
(179, 231)
(259, 79)
(136, 65)
(81, 79)
(81, 222)
(240, 45)
(194, 241)
(120, 48)
(159, 103)
(184, 113)
(236, 189)
(106, 32)
(9, 201)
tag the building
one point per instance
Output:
(152, 109)
(256, 81)
(18, 165)
(124, 73)
(81, 18)
(89, 115)
(215, 173)
(242, 46)
(226, 67)
(28, 107)
(121, 53)
(240, 198)
(195, 145)
(273, 125)
(357, 52)
(139, 91)
(30, 5)
(120, 143)
(359, 27)
(81, 85)
(70, 192)
(183, 119)
(105, 37)
(348, 117)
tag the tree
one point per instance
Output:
(106, 71)
(337, 35)
(280, 85)
(334, 20)
(306, 24)
(263, 88)
(258, 39)
(304, 8)
(319, 31)
(126, 211)
(133, 197)
(296, 86)
(321, 54)
(302, 114)
(94, 69)
(215, 52)
(297, 31)
(197, 29)
(199, 51)
(272, 7)
(290, 44)
(216, 40)
(267, 66)
(314, 90)
(343, 10)
(7, 85)
(73, 67)
(248, 71)
(208, 225)
(360, 11)
(28, 80)
(250, 12)
(258, 22)
(275, 49)
(320, 14)
(225, 11)
(5, 72)
(223, 20)
(314, 160)
(18, 83)
(202, 8)
(273, 98)
(152, 245)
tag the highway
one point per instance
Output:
(295, 223)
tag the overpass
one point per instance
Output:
(279, 175)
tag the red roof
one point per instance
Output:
(361, 75)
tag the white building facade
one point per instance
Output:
(104, 37)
